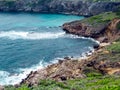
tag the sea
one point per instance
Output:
(31, 41)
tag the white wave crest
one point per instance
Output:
(30, 35)
(81, 37)
(37, 35)
(7, 79)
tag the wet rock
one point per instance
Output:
(96, 46)
(67, 58)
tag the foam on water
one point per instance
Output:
(81, 37)
(30, 35)
(36, 35)
(34, 30)
(7, 79)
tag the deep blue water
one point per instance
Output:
(29, 41)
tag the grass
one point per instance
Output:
(114, 47)
(101, 18)
(94, 79)
(92, 82)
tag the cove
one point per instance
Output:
(29, 41)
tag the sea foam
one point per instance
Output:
(7, 79)
(30, 35)
(39, 35)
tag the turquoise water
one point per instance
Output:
(29, 41)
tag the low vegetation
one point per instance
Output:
(94, 81)
(103, 18)
(114, 48)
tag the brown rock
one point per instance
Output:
(65, 69)
(106, 32)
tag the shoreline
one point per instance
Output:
(55, 61)
(71, 68)
(86, 56)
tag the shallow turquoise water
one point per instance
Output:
(29, 41)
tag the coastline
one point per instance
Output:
(84, 56)
(74, 68)
(51, 71)
(41, 74)
(33, 77)
(102, 25)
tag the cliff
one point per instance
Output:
(78, 7)
(103, 27)
(100, 71)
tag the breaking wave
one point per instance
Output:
(36, 35)
(7, 78)
(30, 35)
(11, 79)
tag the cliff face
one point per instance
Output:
(102, 27)
(78, 7)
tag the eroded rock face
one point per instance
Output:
(113, 31)
(78, 7)
(105, 67)
(63, 70)
(103, 32)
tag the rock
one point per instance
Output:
(68, 69)
(96, 46)
(60, 61)
(78, 7)
(104, 44)
(63, 78)
(67, 58)
(106, 52)
(101, 31)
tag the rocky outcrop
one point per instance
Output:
(112, 32)
(103, 31)
(105, 67)
(100, 61)
(61, 71)
(78, 7)
(105, 62)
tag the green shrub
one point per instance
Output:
(114, 47)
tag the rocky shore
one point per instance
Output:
(104, 61)
(100, 60)
(69, 68)
(77, 7)
(102, 27)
